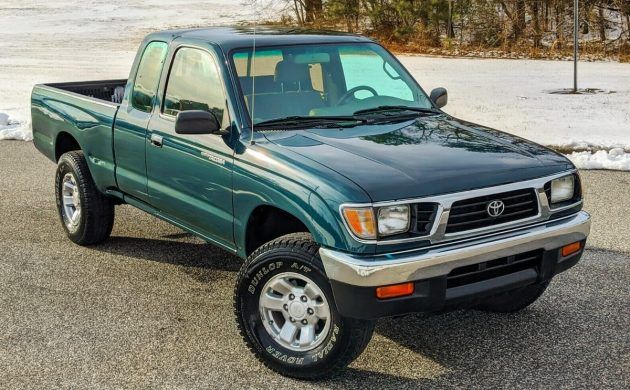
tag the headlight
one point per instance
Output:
(562, 189)
(393, 220)
(361, 222)
(390, 220)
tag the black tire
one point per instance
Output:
(96, 219)
(515, 300)
(344, 342)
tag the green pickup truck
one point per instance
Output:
(319, 160)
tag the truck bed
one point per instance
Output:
(108, 90)
(82, 112)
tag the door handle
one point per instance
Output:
(156, 140)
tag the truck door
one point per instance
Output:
(190, 175)
(133, 118)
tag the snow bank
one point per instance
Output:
(12, 129)
(616, 159)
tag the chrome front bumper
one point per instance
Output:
(439, 260)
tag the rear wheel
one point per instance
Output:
(86, 214)
(515, 300)
(286, 313)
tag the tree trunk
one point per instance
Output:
(298, 7)
(450, 31)
(546, 17)
(312, 8)
(559, 25)
(461, 27)
(519, 23)
(536, 19)
(602, 24)
(517, 18)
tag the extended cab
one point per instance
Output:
(320, 161)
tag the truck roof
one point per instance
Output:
(229, 38)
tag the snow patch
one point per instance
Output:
(616, 159)
(13, 129)
(580, 146)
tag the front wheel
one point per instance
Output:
(286, 313)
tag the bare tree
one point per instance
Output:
(478, 23)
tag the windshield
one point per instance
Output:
(323, 81)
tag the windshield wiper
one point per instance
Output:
(387, 109)
(312, 121)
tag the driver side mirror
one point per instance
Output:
(197, 122)
(439, 96)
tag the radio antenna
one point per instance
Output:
(253, 71)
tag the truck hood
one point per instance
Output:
(422, 157)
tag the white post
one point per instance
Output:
(576, 23)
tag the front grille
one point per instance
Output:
(424, 216)
(494, 268)
(471, 213)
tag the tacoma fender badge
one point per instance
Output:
(213, 158)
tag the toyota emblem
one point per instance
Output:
(495, 208)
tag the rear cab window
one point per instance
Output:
(148, 76)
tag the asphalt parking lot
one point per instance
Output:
(152, 308)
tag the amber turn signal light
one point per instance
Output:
(571, 248)
(361, 221)
(395, 290)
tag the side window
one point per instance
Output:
(148, 76)
(194, 84)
